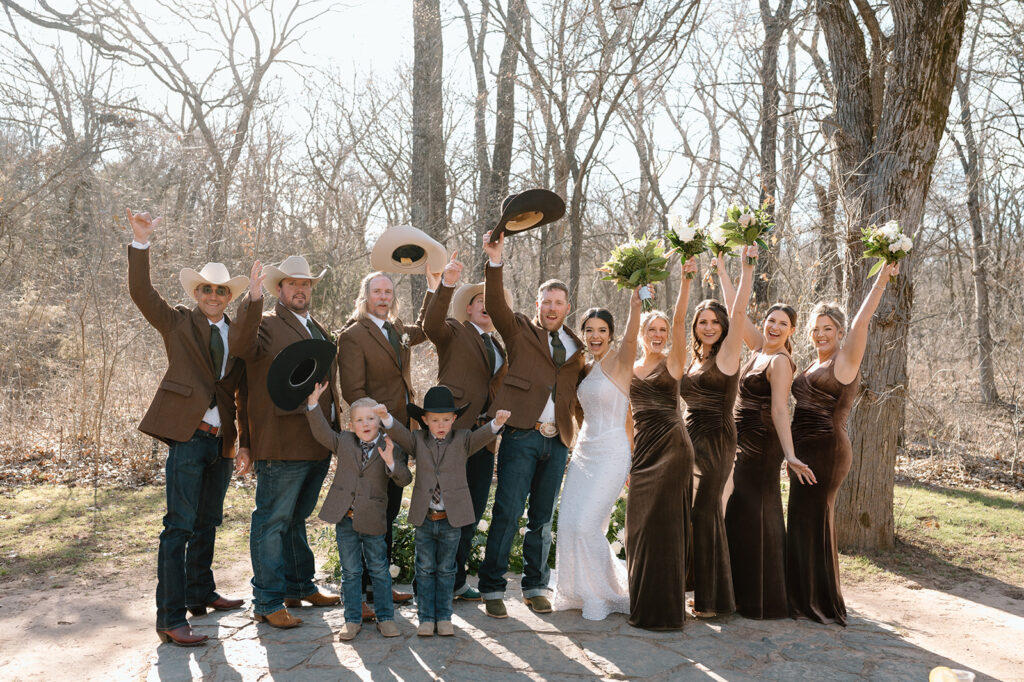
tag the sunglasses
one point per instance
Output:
(209, 289)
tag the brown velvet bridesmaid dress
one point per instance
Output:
(753, 515)
(658, 505)
(710, 396)
(820, 441)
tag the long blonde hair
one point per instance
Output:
(361, 309)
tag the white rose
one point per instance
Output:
(616, 547)
(687, 233)
(718, 235)
(895, 246)
(905, 243)
(394, 570)
(675, 222)
(891, 230)
(746, 220)
(482, 526)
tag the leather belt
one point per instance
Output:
(208, 428)
(547, 429)
(437, 515)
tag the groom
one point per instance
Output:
(544, 363)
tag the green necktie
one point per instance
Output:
(491, 355)
(393, 339)
(313, 331)
(216, 350)
(557, 350)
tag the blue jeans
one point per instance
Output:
(479, 472)
(197, 479)
(528, 465)
(353, 549)
(282, 562)
(436, 544)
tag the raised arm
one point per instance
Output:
(850, 355)
(415, 330)
(677, 351)
(728, 358)
(434, 320)
(621, 365)
(154, 308)
(245, 336)
(494, 290)
(396, 430)
(780, 377)
(751, 334)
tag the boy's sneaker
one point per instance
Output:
(469, 595)
(496, 608)
(445, 628)
(388, 628)
(349, 631)
(426, 629)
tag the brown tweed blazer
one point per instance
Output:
(531, 371)
(364, 490)
(370, 368)
(258, 337)
(441, 462)
(462, 363)
(189, 383)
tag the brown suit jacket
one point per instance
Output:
(441, 462)
(258, 337)
(531, 371)
(462, 363)
(189, 383)
(364, 490)
(369, 366)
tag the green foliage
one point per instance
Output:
(637, 263)
(887, 243)
(687, 241)
(745, 226)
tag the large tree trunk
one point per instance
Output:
(970, 159)
(883, 157)
(427, 206)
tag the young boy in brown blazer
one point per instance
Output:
(441, 504)
(357, 506)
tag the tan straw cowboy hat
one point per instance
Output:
(214, 274)
(407, 250)
(292, 267)
(465, 294)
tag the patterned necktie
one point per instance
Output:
(491, 354)
(313, 331)
(389, 329)
(216, 350)
(368, 449)
(557, 349)
(435, 494)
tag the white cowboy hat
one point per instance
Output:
(465, 294)
(215, 274)
(292, 267)
(407, 250)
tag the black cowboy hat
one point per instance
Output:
(297, 369)
(526, 210)
(437, 399)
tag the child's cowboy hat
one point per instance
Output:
(214, 274)
(297, 369)
(292, 267)
(437, 399)
(407, 250)
(526, 210)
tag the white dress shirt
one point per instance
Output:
(212, 416)
(548, 414)
(498, 360)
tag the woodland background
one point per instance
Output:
(212, 115)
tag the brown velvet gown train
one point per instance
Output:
(820, 441)
(710, 396)
(753, 514)
(658, 505)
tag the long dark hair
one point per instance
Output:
(723, 319)
(790, 313)
(600, 313)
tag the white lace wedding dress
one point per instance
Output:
(588, 575)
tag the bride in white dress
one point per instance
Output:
(588, 574)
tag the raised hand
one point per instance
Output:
(381, 410)
(314, 395)
(256, 278)
(452, 271)
(494, 250)
(802, 471)
(387, 453)
(433, 279)
(501, 416)
(142, 225)
(750, 252)
(635, 302)
(690, 266)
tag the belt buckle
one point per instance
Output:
(548, 429)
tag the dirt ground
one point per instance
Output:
(96, 628)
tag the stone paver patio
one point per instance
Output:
(560, 645)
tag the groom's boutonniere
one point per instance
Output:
(405, 340)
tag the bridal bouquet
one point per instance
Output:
(886, 243)
(686, 240)
(716, 241)
(746, 226)
(637, 263)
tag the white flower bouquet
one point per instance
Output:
(748, 226)
(887, 243)
(686, 240)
